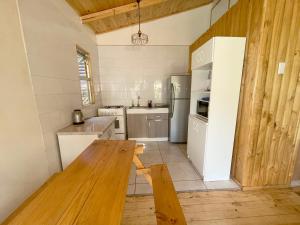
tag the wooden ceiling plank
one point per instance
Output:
(118, 10)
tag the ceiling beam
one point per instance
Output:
(118, 10)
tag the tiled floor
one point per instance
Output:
(184, 176)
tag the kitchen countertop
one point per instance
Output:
(199, 117)
(146, 110)
(94, 125)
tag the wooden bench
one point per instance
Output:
(167, 207)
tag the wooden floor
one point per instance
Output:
(267, 207)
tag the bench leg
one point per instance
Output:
(141, 170)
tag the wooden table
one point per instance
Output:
(90, 191)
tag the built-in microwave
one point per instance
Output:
(202, 107)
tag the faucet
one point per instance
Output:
(138, 101)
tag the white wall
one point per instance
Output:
(23, 163)
(52, 30)
(130, 71)
(178, 29)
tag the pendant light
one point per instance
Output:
(139, 38)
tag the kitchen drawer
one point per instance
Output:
(158, 116)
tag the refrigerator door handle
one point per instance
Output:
(172, 99)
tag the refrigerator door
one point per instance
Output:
(179, 120)
(181, 86)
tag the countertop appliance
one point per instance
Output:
(77, 117)
(180, 90)
(120, 123)
(202, 107)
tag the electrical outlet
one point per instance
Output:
(281, 68)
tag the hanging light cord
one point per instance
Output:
(138, 2)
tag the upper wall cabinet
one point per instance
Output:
(203, 56)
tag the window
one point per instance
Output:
(86, 83)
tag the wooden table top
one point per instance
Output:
(90, 191)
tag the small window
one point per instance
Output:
(86, 83)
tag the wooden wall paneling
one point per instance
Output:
(266, 160)
(263, 96)
(266, 108)
(244, 137)
(269, 99)
(292, 106)
(282, 115)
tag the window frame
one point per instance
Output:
(88, 78)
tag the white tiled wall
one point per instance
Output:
(130, 71)
(51, 32)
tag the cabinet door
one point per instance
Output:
(137, 125)
(157, 128)
(72, 146)
(196, 143)
(203, 55)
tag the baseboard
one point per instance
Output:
(265, 187)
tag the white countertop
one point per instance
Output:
(199, 117)
(144, 110)
(94, 125)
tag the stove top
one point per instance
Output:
(113, 106)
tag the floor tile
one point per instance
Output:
(221, 185)
(130, 189)
(173, 155)
(132, 175)
(182, 171)
(140, 179)
(151, 157)
(143, 189)
(189, 185)
(149, 145)
(167, 145)
(183, 174)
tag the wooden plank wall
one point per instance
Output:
(267, 135)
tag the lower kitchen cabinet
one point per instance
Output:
(147, 126)
(157, 128)
(137, 125)
(197, 142)
(72, 145)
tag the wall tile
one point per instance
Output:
(127, 72)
